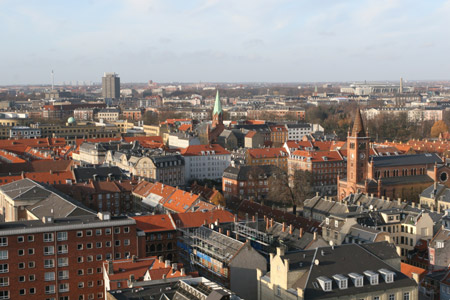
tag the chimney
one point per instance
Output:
(174, 267)
(271, 222)
(413, 204)
(164, 276)
(110, 268)
(220, 229)
(315, 236)
(133, 258)
(161, 259)
(399, 201)
(301, 232)
(167, 263)
(235, 218)
(284, 227)
(183, 272)
(267, 223)
(416, 277)
(290, 229)
(228, 233)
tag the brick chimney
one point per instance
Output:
(301, 232)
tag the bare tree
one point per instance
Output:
(290, 191)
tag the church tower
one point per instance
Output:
(357, 154)
(217, 112)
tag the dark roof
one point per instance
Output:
(83, 174)
(146, 293)
(345, 259)
(406, 160)
(243, 172)
(157, 160)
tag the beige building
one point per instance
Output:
(155, 130)
(340, 272)
(109, 115)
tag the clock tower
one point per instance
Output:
(357, 154)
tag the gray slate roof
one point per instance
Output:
(406, 160)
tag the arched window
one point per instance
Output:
(152, 248)
(169, 246)
(159, 247)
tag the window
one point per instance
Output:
(391, 297)
(98, 244)
(62, 249)
(49, 289)
(406, 296)
(80, 259)
(3, 241)
(31, 277)
(21, 265)
(80, 272)
(63, 274)
(49, 263)
(48, 237)
(21, 252)
(90, 271)
(89, 246)
(62, 236)
(49, 250)
(117, 230)
(88, 232)
(376, 298)
(32, 291)
(107, 231)
(98, 232)
(30, 251)
(31, 264)
(31, 238)
(4, 254)
(79, 233)
(4, 294)
(20, 239)
(63, 287)
(99, 257)
(117, 242)
(63, 261)
(49, 276)
(22, 292)
(126, 242)
(21, 278)
(126, 229)
(4, 281)
(90, 258)
(80, 284)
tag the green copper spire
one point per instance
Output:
(217, 105)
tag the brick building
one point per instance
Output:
(268, 156)
(62, 258)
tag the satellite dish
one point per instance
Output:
(332, 245)
(371, 207)
(316, 262)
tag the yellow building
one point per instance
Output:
(268, 156)
(351, 271)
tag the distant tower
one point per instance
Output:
(217, 112)
(401, 85)
(110, 86)
(53, 80)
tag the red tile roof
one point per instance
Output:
(197, 219)
(409, 269)
(185, 127)
(9, 157)
(250, 134)
(267, 152)
(196, 150)
(181, 201)
(155, 223)
(318, 156)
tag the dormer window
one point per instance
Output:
(325, 283)
(387, 274)
(336, 223)
(341, 280)
(372, 276)
(327, 221)
(358, 279)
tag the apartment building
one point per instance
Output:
(62, 258)
(205, 161)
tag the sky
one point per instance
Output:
(224, 40)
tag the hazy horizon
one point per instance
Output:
(271, 41)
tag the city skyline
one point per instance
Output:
(218, 41)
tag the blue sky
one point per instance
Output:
(224, 40)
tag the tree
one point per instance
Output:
(290, 191)
(438, 128)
